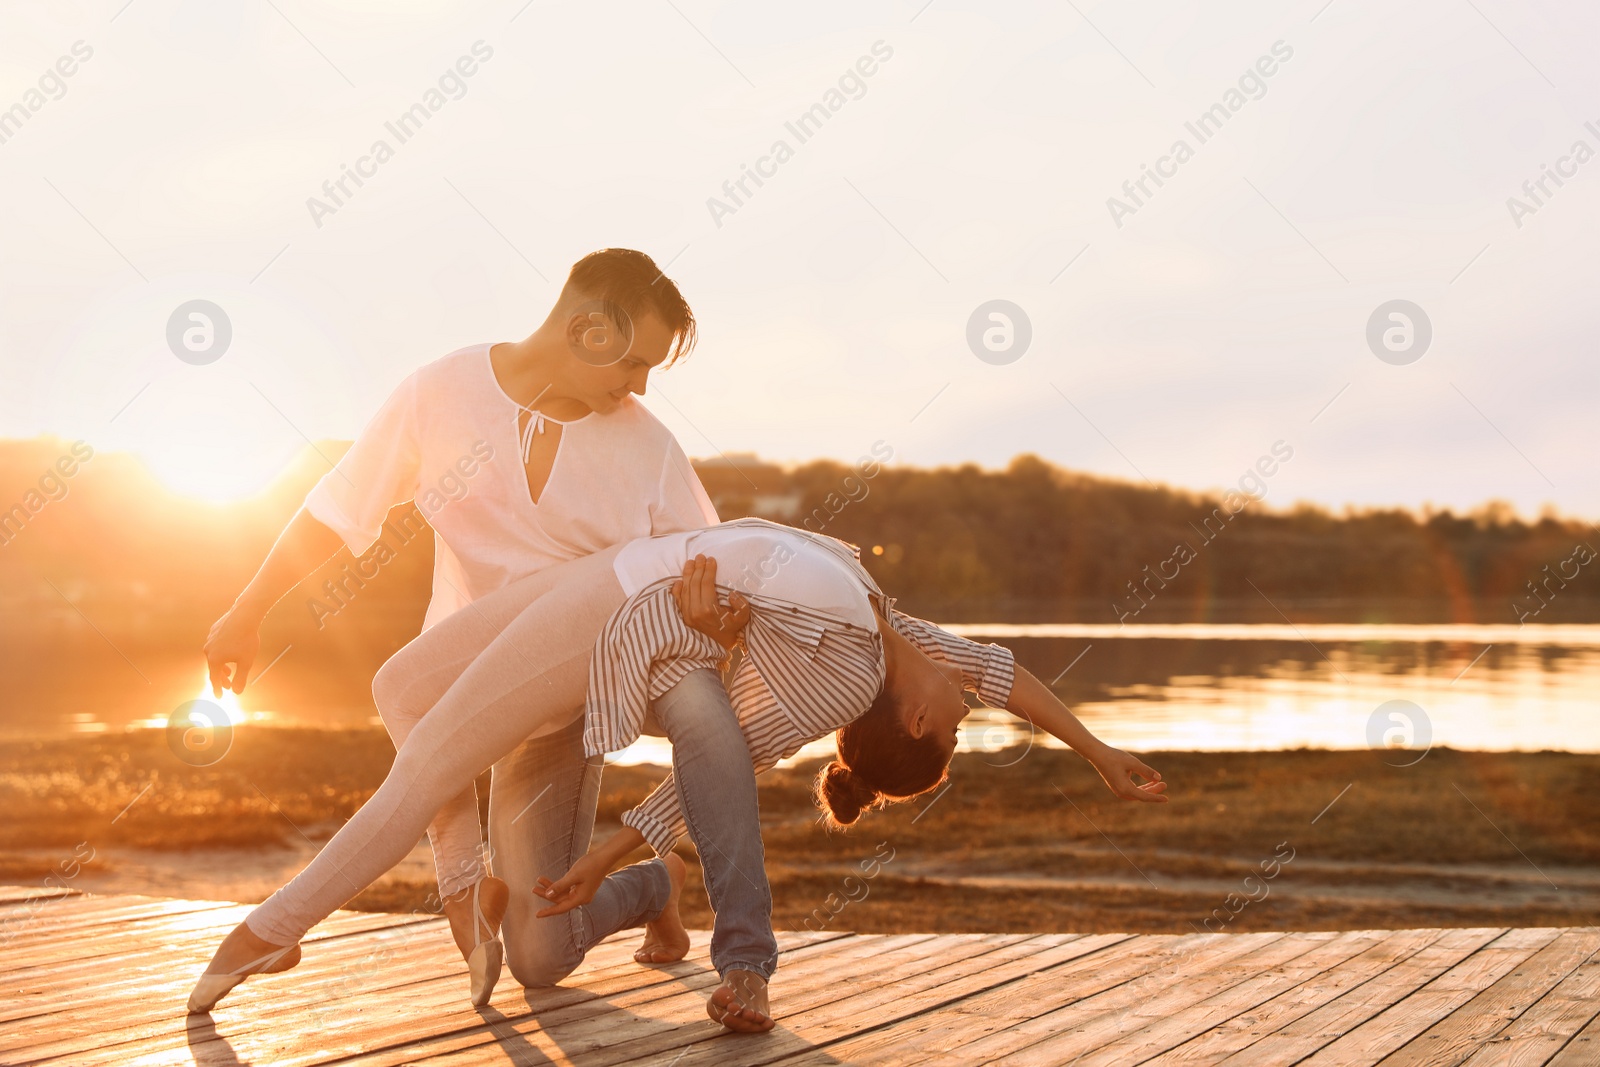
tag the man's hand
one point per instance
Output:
(1119, 769)
(697, 601)
(575, 888)
(235, 638)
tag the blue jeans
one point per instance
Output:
(716, 781)
(541, 819)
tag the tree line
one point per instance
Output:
(1030, 543)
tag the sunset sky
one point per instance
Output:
(1176, 338)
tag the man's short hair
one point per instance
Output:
(629, 282)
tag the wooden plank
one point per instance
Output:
(1108, 1017)
(1544, 1029)
(424, 994)
(153, 974)
(866, 1004)
(858, 1001)
(90, 901)
(622, 1037)
(1173, 1026)
(677, 1011)
(1093, 998)
(1291, 1043)
(70, 944)
(1054, 1000)
(1001, 1006)
(1582, 1051)
(307, 998)
(101, 980)
(61, 915)
(67, 947)
(1000, 1010)
(621, 984)
(600, 987)
(1242, 1030)
(627, 986)
(194, 937)
(20, 894)
(289, 1005)
(1455, 1037)
(63, 940)
(189, 934)
(81, 986)
(1400, 1022)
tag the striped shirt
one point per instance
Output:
(805, 672)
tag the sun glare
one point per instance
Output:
(212, 439)
(216, 477)
(228, 702)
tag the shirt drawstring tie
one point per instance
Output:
(536, 425)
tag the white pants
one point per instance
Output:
(509, 666)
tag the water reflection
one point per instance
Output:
(1191, 686)
(1272, 687)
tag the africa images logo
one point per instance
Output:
(1402, 726)
(199, 733)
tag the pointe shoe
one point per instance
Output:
(213, 987)
(487, 954)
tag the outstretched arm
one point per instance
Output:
(349, 506)
(992, 672)
(1032, 700)
(304, 545)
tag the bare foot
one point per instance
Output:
(665, 939)
(241, 953)
(740, 1003)
(495, 895)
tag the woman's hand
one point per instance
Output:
(235, 638)
(1032, 700)
(579, 885)
(575, 888)
(1121, 770)
(697, 601)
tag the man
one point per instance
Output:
(523, 455)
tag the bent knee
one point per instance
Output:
(539, 952)
(389, 689)
(388, 683)
(538, 969)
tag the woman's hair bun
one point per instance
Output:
(843, 794)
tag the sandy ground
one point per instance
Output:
(245, 875)
(249, 875)
(1375, 886)
(1035, 844)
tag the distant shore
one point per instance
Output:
(1021, 840)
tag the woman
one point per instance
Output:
(521, 456)
(816, 659)
(826, 651)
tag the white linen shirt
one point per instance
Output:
(447, 437)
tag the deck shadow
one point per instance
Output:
(652, 1044)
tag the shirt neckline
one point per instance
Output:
(494, 382)
(524, 492)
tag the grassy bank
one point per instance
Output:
(1461, 838)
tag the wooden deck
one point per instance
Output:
(102, 980)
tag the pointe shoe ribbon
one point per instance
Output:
(213, 987)
(487, 954)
